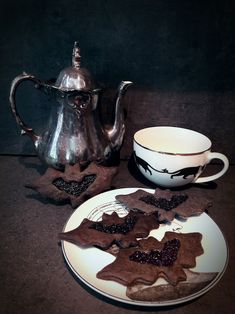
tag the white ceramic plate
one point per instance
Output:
(86, 262)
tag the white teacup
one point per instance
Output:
(172, 156)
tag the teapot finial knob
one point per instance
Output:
(76, 57)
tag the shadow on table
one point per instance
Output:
(28, 163)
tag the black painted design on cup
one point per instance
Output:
(184, 172)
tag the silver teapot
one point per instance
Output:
(74, 132)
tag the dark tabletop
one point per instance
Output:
(34, 277)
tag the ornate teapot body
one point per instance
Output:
(74, 132)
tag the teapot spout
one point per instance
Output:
(116, 133)
(123, 87)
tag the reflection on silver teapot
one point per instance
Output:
(74, 132)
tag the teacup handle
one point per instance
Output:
(213, 177)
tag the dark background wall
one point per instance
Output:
(160, 45)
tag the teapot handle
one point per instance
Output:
(15, 83)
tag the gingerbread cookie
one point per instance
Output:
(166, 203)
(163, 292)
(153, 259)
(112, 229)
(75, 184)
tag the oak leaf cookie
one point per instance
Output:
(153, 259)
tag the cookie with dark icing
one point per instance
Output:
(166, 203)
(153, 259)
(112, 229)
(75, 184)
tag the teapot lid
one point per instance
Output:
(75, 77)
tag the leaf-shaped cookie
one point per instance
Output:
(123, 231)
(163, 292)
(167, 203)
(74, 184)
(148, 269)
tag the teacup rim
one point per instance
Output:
(174, 153)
